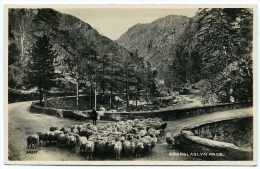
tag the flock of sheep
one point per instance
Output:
(131, 138)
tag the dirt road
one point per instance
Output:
(22, 123)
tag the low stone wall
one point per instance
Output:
(169, 115)
(72, 114)
(225, 139)
(166, 115)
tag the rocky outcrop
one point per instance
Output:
(155, 41)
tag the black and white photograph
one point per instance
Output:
(131, 85)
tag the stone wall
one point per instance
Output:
(72, 114)
(166, 115)
(169, 115)
(228, 139)
(237, 131)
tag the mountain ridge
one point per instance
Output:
(154, 40)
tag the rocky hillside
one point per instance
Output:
(155, 41)
(71, 39)
(215, 45)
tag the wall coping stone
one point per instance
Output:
(234, 152)
(196, 125)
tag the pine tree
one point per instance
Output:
(226, 47)
(41, 70)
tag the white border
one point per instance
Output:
(111, 2)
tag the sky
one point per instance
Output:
(113, 22)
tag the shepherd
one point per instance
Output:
(94, 116)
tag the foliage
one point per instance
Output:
(219, 51)
(40, 68)
(83, 56)
(216, 45)
(225, 49)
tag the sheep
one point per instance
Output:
(120, 128)
(90, 147)
(118, 133)
(140, 124)
(109, 130)
(87, 124)
(114, 129)
(32, 140)
(79, 127)
(110, 147)
(73, 127)
(169, 139)
(76, 136)
(136, 121)
(75, 130)
(137, 136)
(61, 140)
(51, 137)
(113, 124)
(176, 138)
(151, 131)
(118, 149)
(94, 128)
(83, 142)
(128, 128)
(52, 128)
(101, 127)
(142, 133)
(65, 130)
(72, 143)
(131, 137)
(129, 148)
(46, 137)
(106, 133)
(157, 133)
(153, 138)
(133, 130)
(153, 142)
(56, 133)
(159, 126)
(120, 138)
(139, 146)
(41, 137)
(147, 138)
(147, 146)
(130, 122)
(92, 138)
(100, 148)
(86, 132)
(163, 126)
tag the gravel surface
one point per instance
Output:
(22, 123)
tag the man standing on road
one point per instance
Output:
(94, 116)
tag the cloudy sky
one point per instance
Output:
(113, 22)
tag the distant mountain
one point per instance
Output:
(155, 41)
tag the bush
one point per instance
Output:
(17, 96)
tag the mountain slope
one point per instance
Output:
(155, 41)
(70, 37)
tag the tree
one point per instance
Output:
(225, 46)
(41, 69)
(20, 29)
(47, 21)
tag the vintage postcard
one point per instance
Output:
(131, 84)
